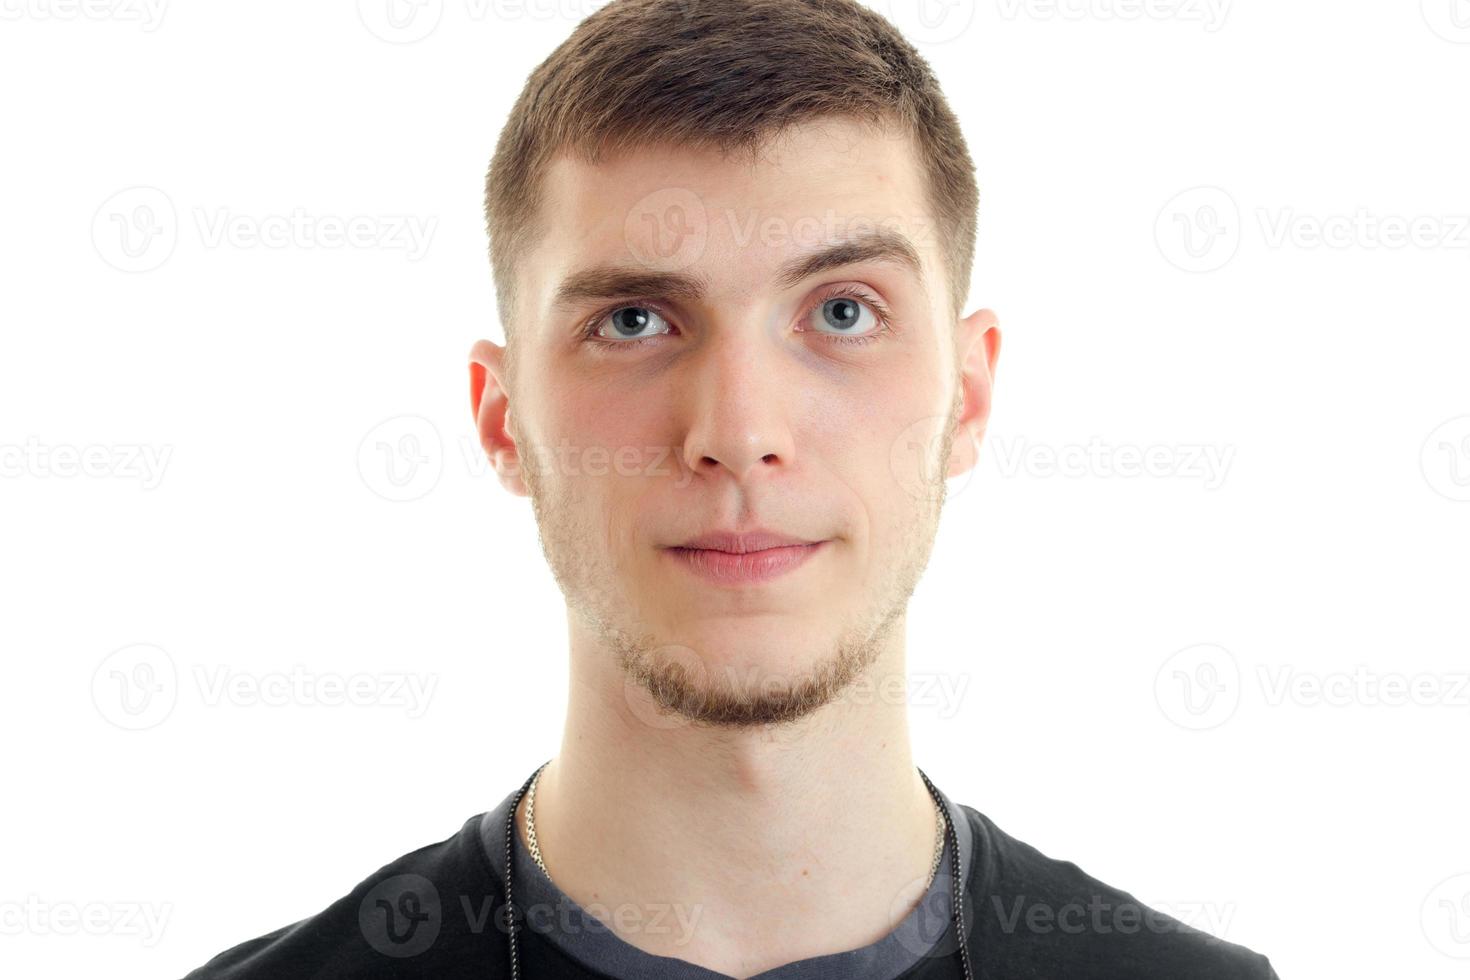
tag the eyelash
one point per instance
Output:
(880, 312)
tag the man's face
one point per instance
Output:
(680, 371)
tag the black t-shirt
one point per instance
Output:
(439, 912)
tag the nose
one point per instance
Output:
(738, 405)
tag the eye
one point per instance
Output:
(844, 315)
(627, 324)
(848, 316)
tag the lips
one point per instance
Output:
(727, 558)
(744, 543)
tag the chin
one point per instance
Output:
(748, 652)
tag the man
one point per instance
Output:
(731, 240)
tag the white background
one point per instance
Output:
(1325, 551)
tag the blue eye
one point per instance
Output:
(842, 316)
(849, 316)
(627, 323)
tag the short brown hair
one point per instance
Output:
(726, 74)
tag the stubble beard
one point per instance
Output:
(587, 576)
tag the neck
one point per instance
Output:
(753, 848)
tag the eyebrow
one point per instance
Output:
(612, 281)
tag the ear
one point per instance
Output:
(978, 349)
(490, 404)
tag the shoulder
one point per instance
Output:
(1034, 915)
(432, 909)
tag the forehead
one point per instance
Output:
(729, 220)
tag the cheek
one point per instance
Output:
(847, 446)
(608, 447)
(863, 417)
(886, 441)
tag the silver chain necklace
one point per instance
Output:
(944, 828)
